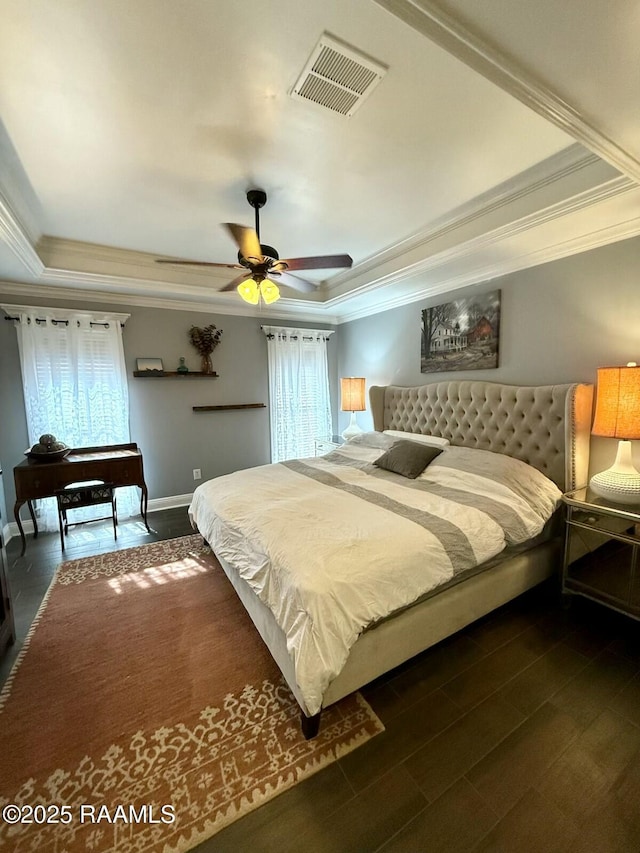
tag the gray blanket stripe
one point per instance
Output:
(451, 537)
(503, 515)
(494, 467)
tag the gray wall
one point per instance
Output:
(173, 438)
(559, 322)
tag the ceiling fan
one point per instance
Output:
(261, 263)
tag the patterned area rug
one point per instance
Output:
(145, 713)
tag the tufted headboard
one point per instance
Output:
(546, 426)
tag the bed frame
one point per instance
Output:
(546, 426)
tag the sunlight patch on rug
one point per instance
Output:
(146, 704)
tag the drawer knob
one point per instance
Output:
(592, 519)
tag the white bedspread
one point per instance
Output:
(331, 544)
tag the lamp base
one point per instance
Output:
(621, 482)
(352, 429)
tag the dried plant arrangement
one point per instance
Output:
(205, 341)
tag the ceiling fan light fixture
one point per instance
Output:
(270, 291)
(258, 261)
(249, 291)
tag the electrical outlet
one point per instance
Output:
(197, 474)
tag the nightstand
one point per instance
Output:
(602, 551)
(327, 444)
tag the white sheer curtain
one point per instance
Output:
(75, 386)
(300, 405)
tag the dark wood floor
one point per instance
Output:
(520, 734)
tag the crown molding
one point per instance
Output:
(63, 257)
(17, 238)
(528, 201)
(63, 254)
(429, 19)
(572, 165)
(522, 192)
(285, 309)
(108, 289)
(614, 189)
(488, 271)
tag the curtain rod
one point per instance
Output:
(298, 329)
(60, 322)
(278, 329)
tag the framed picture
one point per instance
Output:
(461, 335)
(149, 365)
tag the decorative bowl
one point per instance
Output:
(53, 456)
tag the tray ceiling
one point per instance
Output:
(131, 130)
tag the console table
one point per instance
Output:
(119, 464)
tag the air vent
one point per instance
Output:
(338, 77)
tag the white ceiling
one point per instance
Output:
(504, 134)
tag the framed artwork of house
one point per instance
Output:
(461, 335)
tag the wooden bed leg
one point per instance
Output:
(310, 725)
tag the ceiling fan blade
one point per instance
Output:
(296, 282)
(236, 281)
(322, 262)
(197, 264)
(246, 239)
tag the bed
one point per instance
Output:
(312, 547)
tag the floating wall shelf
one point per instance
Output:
(231, 406)
(169, 374)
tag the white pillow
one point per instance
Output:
(433, 440)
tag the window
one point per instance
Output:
(75, 385)
(300, 406)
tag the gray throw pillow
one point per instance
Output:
(407, 458)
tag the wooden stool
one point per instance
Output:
(88, 493)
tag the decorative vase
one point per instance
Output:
(206, 365)
(182, 367)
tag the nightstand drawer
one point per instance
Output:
(602, 522)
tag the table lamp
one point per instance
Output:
(352, 400)
(618, 416)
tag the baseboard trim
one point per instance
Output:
(172, 502)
